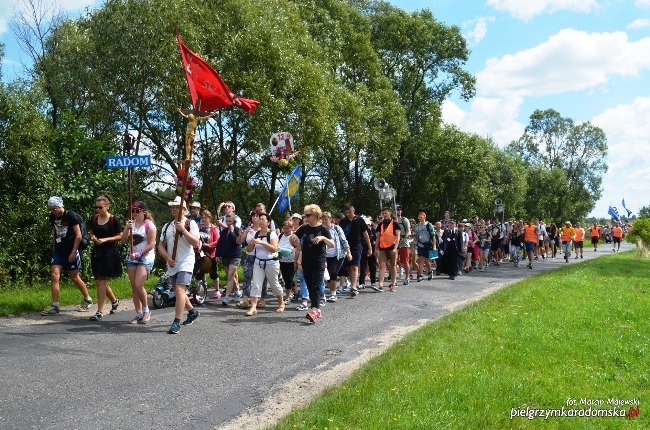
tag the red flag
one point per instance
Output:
(206, 85)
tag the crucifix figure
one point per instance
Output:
(193, 117)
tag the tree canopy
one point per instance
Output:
(358, 83)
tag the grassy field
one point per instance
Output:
(568, 338)
(15, 300)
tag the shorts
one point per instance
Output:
(181, 278)
(333, 266)
(356, 260)
(495, 244)
(540, 243)
(60, 258)
(147, 266)
(403, 255)
(231, 262)
(617, 240)
(356, 257)
(424, 252)
(387, 256)
(578, 245)
(594, 240)
(529, 246)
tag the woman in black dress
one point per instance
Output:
(105, 232)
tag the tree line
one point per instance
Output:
(358, 83)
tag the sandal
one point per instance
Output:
(97, 317)
(243, 305)
(114, 306)
(251, 312)
(261, 304)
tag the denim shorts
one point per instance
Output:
(147, 266)
(530, 246)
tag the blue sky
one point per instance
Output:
(587, 59)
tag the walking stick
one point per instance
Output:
(127, 141)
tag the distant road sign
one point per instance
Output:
(126, 161)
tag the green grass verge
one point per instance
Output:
(580, 332)
(19, 299)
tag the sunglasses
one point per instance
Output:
(229, 206)
(100, 207)
(136, 211)
(306, 215)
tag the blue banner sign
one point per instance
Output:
(124, 162)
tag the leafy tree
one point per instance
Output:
(644, 212)
(574, 152)
(640, 235)
(27, 174)
(424, 61)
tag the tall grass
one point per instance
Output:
(580, 332)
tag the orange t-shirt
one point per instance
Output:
(595, 231)
(567, 234)
(580, 234)
(530, 233)
(617, 232)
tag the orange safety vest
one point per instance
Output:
(580, 235)
(567, 235)
(594, 231)
(617, 232)
(387, 238)
(530, 233)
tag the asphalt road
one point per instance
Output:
(224, 371)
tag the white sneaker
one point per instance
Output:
(85, 305)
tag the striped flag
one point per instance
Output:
(290, 190)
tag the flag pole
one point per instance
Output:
(287, 187)
(275, 203)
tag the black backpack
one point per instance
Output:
(85, 236)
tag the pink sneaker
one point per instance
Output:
(313, 315)
(217, 295)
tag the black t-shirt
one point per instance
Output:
(63, 231)
(354, 231)
(312, 253)
(110, 229)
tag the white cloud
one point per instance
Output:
(493, 117)
(527, 9)
(639, 23)
(627, 128)
(568, 61)
(642, 3)
(478, 30)
(9, 7)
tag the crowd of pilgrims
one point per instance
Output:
(308, 260)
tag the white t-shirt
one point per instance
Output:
(184, 252)
(140, 241)
(285, 242)
(261, 253)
